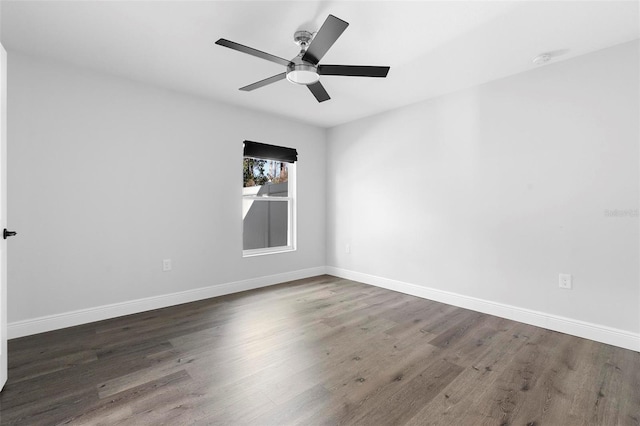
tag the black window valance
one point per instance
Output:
(270, 152)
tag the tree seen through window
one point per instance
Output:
(257, 172)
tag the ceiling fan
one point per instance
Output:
(304, 69)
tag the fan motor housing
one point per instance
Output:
(301, 72)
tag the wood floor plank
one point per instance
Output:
(318, 351)
(410, 398)
(459, 401)
(373, 383)
(299, 410)
(334, 364)
(516, 387)
(43, 366)
(117, 409)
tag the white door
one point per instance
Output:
(3, 216)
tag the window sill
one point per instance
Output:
(263, 252)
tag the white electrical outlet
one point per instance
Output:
(347, 248)
(166, 265)
(564, 281)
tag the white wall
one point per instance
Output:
(107, 177)
(492, 191)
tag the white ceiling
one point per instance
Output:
(433, 47)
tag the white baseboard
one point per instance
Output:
(98, 313)
(599, 333)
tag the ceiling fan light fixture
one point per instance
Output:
(302, 74)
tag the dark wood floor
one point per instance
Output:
(317, 351)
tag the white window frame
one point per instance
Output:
(291, 223)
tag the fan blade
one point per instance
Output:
(264, 82)
(318, 91)
(327, 35)
(353, 70)
(251, 51)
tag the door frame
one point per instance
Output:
(3, 217)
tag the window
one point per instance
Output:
(268, 199)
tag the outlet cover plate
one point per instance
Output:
(564, 281)
(166, 265)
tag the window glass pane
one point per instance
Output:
(265, 224)
(266, 178)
